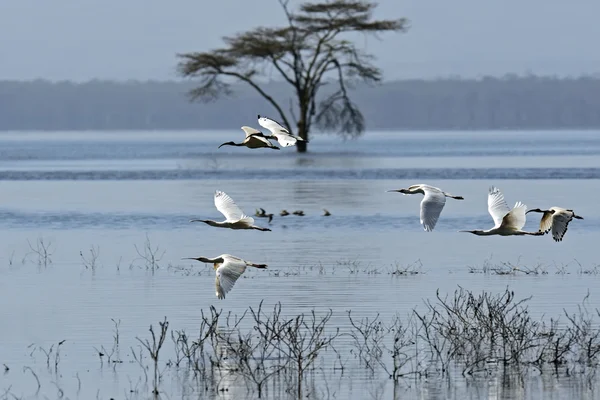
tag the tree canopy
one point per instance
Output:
(313, 50)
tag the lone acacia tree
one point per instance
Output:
(312, 51)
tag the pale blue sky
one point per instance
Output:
(138, 39)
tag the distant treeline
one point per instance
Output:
(510, 102)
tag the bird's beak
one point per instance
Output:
(395, 190)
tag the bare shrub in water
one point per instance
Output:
(367, 336)
(463, 330)
(302, 338)
(150, 255)
(154, 349)
(201, 352)
(258, 352)
(41, 251)
(114, 351)
(275, 344)
(91, 261)
(478, 328)
(585, 335)
(403, 350)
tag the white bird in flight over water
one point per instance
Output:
(228, 269)
(254, 140)
(278, 132)
(557, 219)
(234, 216)
(432, 204)
(507, 222)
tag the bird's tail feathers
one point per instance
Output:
(453, 196)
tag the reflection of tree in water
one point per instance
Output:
(304, 161)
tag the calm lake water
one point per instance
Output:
(115, 192)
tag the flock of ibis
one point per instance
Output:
(507, 222)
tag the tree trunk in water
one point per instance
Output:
(300, 145)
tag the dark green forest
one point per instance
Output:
(510, 102)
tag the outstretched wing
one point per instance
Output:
(227, 275)
(546, 222)
(497, 206)
(560, 224)
(250, 131)
(260, 140)
(516, 218)
(228, 208)
(431, 208)
(284, 139)
(272, 125)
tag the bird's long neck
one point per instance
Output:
(203, 259)
(210, 222)
(231, 144)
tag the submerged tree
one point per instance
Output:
(313, 50)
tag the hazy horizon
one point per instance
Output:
(139, 39)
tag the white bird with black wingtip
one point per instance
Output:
(234, 216)
(228, 269)
(279, 132)
(254, 140)
(507, 222)
(556, 219)
(432, 204)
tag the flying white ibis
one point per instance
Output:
(557, 219)
(254, 140)
(234, 216)
(432, 204)
(279, 132)
(507, 222)
(228, 269)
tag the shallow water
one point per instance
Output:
(113, 191)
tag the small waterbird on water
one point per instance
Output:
(278, 132)
(507, 222)
(254, 140)
(234, 216)
(432, 204)
(283, 213)
(228, 269)
(557, 219)
(326, 213)
(263, 214)
(299, 213)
